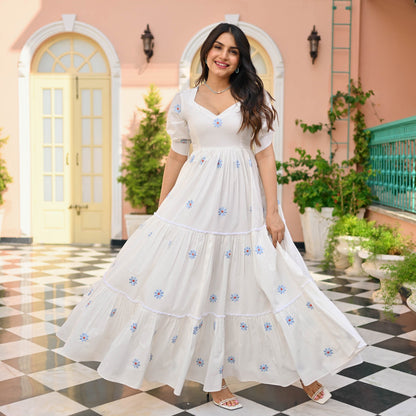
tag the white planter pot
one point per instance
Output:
(411, 300)
(374, 269)
(350, 246)
(133, 222)
(315, 227)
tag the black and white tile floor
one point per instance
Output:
(39, 285)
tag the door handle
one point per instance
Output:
(77, 159)
(78, 208)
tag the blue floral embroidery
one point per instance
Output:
(177, 108)
(89, 293)
(192, 254)
(192, 158)
(113, 312)
(133, 281)
(83, 337)
(259, 249)
(158, 294)
(150, 234)
(174, 339)
(189, 204)
(264, 368)
(328, 352)
(228, 254)
(221, 370)
(243, 326)
(234, 297)
(309, 305)
(231, 359)
(267, 326)
(222, 211)
(250, 163)
(136, 363)
(247, 251)
(197, 328)
(219, 163)
(199, 362)
(133, 326)
(212, 298)
(281, 289)
(150, 357)
(202, 161)
(237, 164)
(88, 304)
(290, 320)
(217, 122)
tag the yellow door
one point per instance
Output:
(51, 169)
(71, 163)
(91, 201)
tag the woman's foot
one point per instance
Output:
(224, 398)
(317, 392)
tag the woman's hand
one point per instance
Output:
(276, 227)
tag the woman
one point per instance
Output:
(212, 285)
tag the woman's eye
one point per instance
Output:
(217, 47)
(234, 52)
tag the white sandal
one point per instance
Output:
(222, 403)
(327, 395)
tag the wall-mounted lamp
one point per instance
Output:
(148, 43)
(313, 39)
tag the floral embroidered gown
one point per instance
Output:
(199, 292)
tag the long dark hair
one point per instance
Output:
(246, 86)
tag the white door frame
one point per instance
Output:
(67, 24)
(278, 70)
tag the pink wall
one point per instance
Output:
(288, 23)
(388, 58)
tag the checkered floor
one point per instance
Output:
(39, 285)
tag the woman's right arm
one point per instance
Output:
(173, 166)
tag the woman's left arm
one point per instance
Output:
(267, 169)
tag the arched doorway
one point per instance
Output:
(71, 143)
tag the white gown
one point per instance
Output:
(199, 292)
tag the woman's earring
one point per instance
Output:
(237, 70)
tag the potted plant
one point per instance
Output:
(345, 237)
(386, 246)
(402, 274)
(142, 172)
(5, 178)
(323, 188)
(323, 191)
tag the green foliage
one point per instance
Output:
(401, 272)
(144, 166)
(324, 184)
(5, 178)
(387, 240)
(349, 225)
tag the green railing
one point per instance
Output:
(393, 160)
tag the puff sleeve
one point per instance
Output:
(265, 135)
(177, 127)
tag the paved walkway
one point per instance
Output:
(39, 285)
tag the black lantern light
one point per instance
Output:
(148, 43)
(314, 39)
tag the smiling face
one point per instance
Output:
(223, 58)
